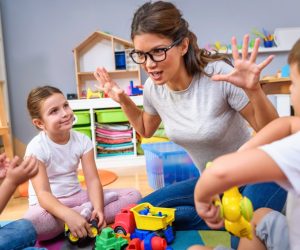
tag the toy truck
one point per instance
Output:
(81, 241)
(151, 225)
(108, 240)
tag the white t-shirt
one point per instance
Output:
(204, 118)
(61, 162)
(286, 153)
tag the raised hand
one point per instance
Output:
(107, 85)
(246, 72)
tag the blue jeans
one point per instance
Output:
(18, 234)
(181, 196)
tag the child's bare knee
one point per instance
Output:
(259, 214)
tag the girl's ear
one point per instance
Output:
(38, 123)
(185, 45)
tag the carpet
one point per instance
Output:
(105, 176)
(183, 240)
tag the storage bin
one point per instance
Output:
(85, 130)
(81, 118)
(167, 163)
(110, 115)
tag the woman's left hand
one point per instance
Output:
(246, 72)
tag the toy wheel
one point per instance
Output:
(124, 247)
(72, 238)
(94, 231)
(120, 230)
(160, 233)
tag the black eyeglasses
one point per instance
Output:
(156, 55)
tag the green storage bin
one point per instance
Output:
(110, 115)
(82, 118)
(85, 130)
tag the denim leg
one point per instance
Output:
(179, 195)
(268, 195)
(17, 235)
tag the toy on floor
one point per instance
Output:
(237, 212)
(108, 240)
(75, 240)
(151, 225)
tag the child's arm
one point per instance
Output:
(15, 175)
(77, 224)
(94, 186)
(275, 130)
(247, 166)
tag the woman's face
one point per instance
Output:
(168, 70)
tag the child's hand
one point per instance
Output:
(210, 214)
(4, 162)
(78, 225)
(107, 85)
(97, 214)
(17, 173)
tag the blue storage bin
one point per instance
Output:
(167, 163)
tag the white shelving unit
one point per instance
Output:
(103, 103)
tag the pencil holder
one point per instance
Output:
(269, 43)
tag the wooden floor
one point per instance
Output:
(127, 177)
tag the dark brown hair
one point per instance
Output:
(37, 96)
(294, 55)
(163, 18)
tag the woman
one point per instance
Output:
(204, 103)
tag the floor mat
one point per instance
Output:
(183, 240)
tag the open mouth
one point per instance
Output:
(156, 75)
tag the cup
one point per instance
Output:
(268, 43)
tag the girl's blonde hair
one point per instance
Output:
(37, 96)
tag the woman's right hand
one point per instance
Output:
(107, 85)
(77, 224)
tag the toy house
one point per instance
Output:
(104, 50)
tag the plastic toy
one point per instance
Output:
(124, 221)
(108, 240)
(153, 221)
(131, 90)
(237, 212)
(150, 242)
(75, 240)
(93, 94)
(152, 226)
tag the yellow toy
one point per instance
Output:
(93, 94)
(237, 212)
